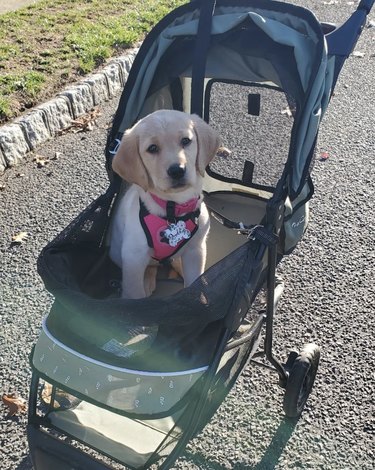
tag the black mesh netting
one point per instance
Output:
(87, 311)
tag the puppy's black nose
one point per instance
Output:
(176, 171)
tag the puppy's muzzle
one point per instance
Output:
(176, 172)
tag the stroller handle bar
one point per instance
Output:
(366, 5)
(341, 40)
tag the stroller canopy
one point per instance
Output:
(262, 42)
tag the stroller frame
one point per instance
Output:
(297, 374)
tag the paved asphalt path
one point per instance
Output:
(329, 297)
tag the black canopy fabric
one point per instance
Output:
(265, 42)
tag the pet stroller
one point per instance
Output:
(131, 381)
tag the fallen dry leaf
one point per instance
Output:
(84, 123)
(40, 161)
(19, 237)
(287, 111)
(2, 187)
(223, 152)
(14, 403)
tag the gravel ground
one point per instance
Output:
(328, 299)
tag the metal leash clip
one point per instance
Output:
(248, 230)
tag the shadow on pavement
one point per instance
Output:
(269, 460)
(277, 445)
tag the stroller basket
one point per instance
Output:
(131, 381)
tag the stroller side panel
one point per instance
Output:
(126, 390)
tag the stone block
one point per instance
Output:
(80, 98)
(3, 163)
(34, 128)
(130, 56)
(123, 64)
(13, 144)
(113, 74)
(99, 87)
(57, 114)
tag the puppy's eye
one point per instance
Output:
(185, 141)
(153, 148)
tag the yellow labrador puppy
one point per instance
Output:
(161, 216)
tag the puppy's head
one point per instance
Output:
(167, 150)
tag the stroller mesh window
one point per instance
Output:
(256, 127)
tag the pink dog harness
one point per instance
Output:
(166, 235)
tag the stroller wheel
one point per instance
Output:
(301, 380)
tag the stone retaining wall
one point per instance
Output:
(25, 133)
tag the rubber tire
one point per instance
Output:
(301, 380)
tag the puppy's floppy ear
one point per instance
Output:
(128, 163)
(208, 143)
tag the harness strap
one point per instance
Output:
(202, 44)
(167, 235)
(171, 211)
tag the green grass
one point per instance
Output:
(53, 42)
(29, 83)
